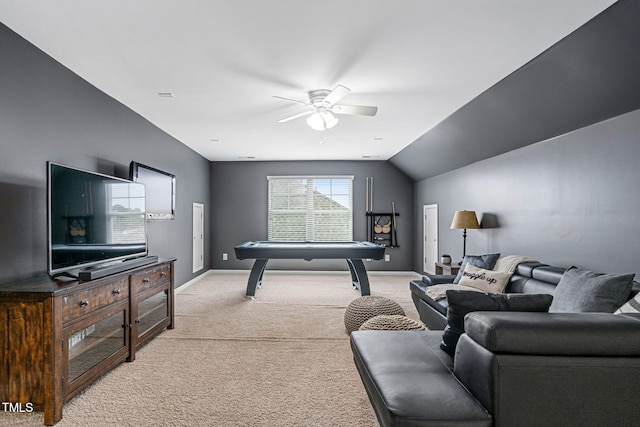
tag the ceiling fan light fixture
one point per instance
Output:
(324, 104)
(322, 121)
(329, 120)
(315, 121)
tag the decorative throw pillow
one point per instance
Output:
(585, 291)
(485, 280)
(483, 261)
(463, 302)
(631, 306)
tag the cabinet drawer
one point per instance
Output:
(150, 278)
(114, 292)
(79, 304)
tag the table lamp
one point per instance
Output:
(464, 220)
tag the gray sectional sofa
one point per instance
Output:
(529, 278)
(508, 368)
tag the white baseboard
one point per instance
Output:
(299, 272)
(192, 281)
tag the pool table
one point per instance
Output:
(352, 252)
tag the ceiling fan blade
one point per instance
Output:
(291, 100)
(336, 95)
(359, 110)
(295, 116)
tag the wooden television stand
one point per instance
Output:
(60, 337)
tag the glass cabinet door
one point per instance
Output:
(98, 340)
(152, 311)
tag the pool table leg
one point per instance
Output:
(359, 276)
(255, 278)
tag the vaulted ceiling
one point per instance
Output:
(420, 62)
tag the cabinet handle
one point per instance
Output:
(127, 326)
(137, 320)
(145, 280)
(163, 274)
(84, 303)
(116, 291)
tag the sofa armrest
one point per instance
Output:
(437, 279)
(561, 334)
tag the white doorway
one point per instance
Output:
(430, 250)
(198, 237)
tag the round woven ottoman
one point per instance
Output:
(392, 323)
(364, 308)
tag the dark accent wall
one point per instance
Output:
(49, 113)
(571, 200)
(239, 204)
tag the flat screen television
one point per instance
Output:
(93, 220)
(161, 190)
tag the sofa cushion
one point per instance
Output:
(410, 381)
(548, 274)
(556, 334)
(631, 306)
(463, 302)
(534, 278)
(418, 289)
(483, 261)
(585, 291)
(486, 280)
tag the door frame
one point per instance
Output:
(197, 226)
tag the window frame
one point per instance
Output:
(311, 213)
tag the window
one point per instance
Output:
(313, 209)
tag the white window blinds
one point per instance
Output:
(310, 208)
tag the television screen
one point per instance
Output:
(161, 190)
(93, 219)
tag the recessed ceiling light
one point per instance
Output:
(246, 157)
(166, 95)
(215, 140)
(371, 157)
(378, 138)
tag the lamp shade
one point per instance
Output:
(464, 219)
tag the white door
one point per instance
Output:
(430, 238)
(198, 237)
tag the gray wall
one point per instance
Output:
(571, 200)
(49, 113)
(239, 204)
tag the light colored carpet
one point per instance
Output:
(282, 359)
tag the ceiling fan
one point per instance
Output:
(323, 105)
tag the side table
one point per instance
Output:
(447, 268)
